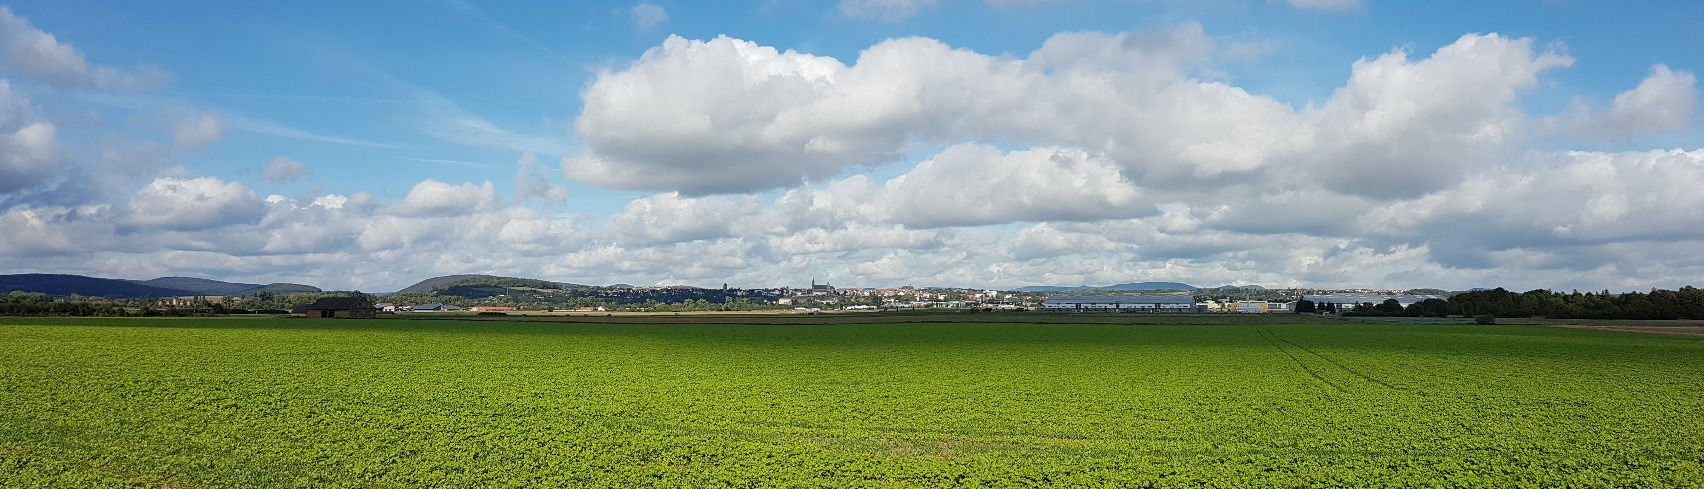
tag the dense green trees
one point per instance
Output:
(1686, 303)
(268, 301)
(1432, 308)
(38, 304)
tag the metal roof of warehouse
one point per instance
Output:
(1124, 299)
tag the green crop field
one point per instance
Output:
(1207, 401)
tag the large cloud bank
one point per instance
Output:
(1096, 158)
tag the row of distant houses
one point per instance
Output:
(355, 308)
(1185, 304)
(349, 307)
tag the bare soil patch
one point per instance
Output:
(1668, 330)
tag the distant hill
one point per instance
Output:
(202, 286)
(479, 286)
(1129, 287)
(428, 285)
(1152, 286)
(288, 288)
(64, 285)
(198, 286)
(1046, 288)
(1239, 287)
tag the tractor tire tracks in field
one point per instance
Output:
(1333, 361)
(1268, 337)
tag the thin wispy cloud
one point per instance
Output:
(233, 120)
(289, 97)
(455, 163)
(475, 14)
(445, 120)
(257, 126)
(883, 10)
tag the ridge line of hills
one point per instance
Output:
(60, 285)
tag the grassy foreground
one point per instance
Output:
(188, 403)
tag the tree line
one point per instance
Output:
(18, 303)
(1685, 303)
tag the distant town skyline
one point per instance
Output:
(1337, 144)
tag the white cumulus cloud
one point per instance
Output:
(28, 156)
(35, 232)
(647, 15)
(194, 133)
(1402, 128)
(726, 115)
(283, 169)
(978, 184)
(434, 198)
(193, 203)
(29, 151)
(532, 180)
(671, 218)
(40, 55)
(1662, 102)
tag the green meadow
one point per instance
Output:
(1188, 401)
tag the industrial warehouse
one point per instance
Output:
(1121, 303)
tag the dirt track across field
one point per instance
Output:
(1668, 330)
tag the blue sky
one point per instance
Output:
(1330, 143)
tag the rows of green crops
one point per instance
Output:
(189, 403)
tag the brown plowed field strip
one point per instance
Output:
(1668, 330)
